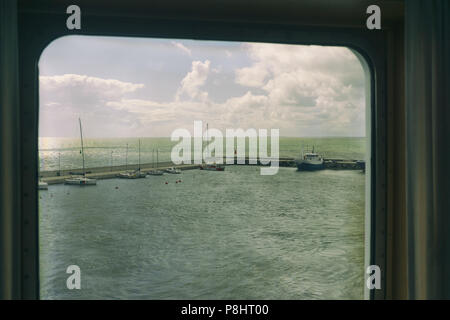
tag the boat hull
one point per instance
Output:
(43, 185)
(81, 182)
(155, 173)
(307, 166)
(128, 176)
(172, 171)
(212, 168)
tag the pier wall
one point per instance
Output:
(108, 172)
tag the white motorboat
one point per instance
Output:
(129, 175)
(42, 185)
(81, 181)
(173, 170)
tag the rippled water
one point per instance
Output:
(216, 235)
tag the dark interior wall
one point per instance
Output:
(396, 239)
(427, 52)
(10, 249)
(340, 13)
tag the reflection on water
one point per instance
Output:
(100, 152)
(216, 235)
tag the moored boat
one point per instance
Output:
(129, 175)
(42, 185)
(310, 161)
(173, 170)
(81, 180)
(155, 171)
(213, 167)
(210, 163)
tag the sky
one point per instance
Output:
(142, 87)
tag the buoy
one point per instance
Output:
(117, 187)
(167, 182)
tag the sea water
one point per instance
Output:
(213, 235)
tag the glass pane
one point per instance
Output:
(115, 204)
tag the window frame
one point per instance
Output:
(37, 30)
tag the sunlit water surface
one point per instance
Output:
(216, 235)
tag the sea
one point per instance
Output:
(235, 234)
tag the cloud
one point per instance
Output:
(194, 80)
(182, 48)
(318, 90)
(64, 98)
(252, 76)
(302, 90)
(82, 89)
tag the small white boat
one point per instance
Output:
(173, 170)
(81, 181)
(155, 173)
(129, 175)
(42, 185)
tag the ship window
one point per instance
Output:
(127, 199)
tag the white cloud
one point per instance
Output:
(194, 80)
(317, 90)
(82, 92)
(303, 90)
(64, 98)
(252, 76)
(182, 48)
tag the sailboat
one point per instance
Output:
(138, 172)
(155, 171)
(132, 174)
(83, 180)
(211, 166)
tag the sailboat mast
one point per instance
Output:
(157, 154)
(207, 143)
(126, 158)
(139, 154)
(82, 146)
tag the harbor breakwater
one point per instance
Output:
(108, 172)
